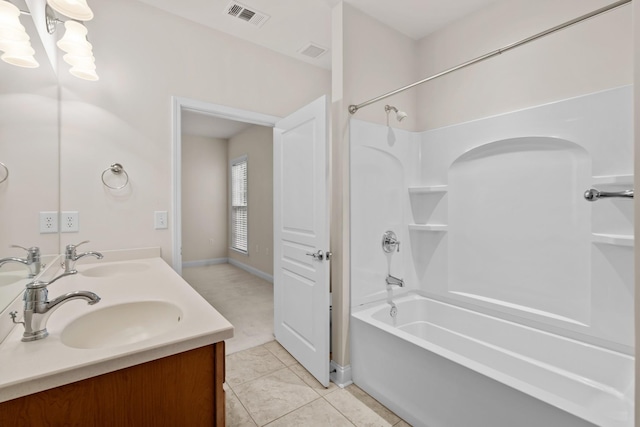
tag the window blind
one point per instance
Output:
(239, 205)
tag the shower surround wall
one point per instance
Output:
(495, 232)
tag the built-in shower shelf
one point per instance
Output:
(613, 180)
(428, 227)
(613, 239)
(429, 189)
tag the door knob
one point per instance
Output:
(316, 255)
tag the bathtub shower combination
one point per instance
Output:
(517, 301)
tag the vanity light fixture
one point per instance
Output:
(74, 9)
(79, 52)
(17, 49)
(14, 40)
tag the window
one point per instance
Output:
(239, 222)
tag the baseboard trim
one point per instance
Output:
(205, 262)
(340, 375)
(251, 270)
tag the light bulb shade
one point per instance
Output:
(79, 49)
(20, 60)
(14, 40)
(10, 21)
(10, 26)
(13, 34)
(8, 10)
(74, 40)
(16, 46)
(85, 74)
(84, 62)
(74, 9)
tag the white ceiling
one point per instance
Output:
(293, 24)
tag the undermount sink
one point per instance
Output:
(8, 279)
(110, 270)
(121, 324)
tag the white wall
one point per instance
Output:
(29, 149)
(377, 59)
(591, 56)
(204, 198)
(257, 143)
(145, 56)
(369, 58)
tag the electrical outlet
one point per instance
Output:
(48, 222)
(161, 221)
(70, 222)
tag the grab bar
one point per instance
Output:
(592, 194)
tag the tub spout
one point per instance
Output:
(394, 281)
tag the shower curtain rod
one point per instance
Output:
(354, 108)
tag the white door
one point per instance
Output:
(301, 237)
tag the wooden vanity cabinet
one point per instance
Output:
(184, 389)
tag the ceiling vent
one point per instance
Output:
(312, 50)
(252, 16)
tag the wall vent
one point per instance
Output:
(312, 50)
(252, 16)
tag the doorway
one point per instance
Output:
(223, 246)
(300, 224)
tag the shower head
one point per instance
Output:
(400, 115)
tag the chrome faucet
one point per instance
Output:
(390, 242)
(394, 281)
(32, 261)
(38, 308)
(70, 257)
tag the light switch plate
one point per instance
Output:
(160, 220)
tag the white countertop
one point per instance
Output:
(30, 367)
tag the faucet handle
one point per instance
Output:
(70, 249)
(33, 253)
(390, 242)
(71, 245)
(32, 249)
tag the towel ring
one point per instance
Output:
(116, 169)
(6, 172)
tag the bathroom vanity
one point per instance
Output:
(150, 353)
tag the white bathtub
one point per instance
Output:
(439, 365)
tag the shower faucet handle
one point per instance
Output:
(390, 242)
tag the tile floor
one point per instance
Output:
(266, 386)
(243, 299)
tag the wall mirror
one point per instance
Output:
(29, 148)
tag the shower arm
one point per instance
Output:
(354, 108)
